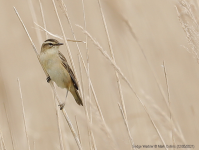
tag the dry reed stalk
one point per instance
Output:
(68, 50)
(24, 117)
(68, 19)
(159, 85)
(117, 77)
(157, 130)
(85, 104)
(150, 67)
(87, 58)
(191, 28)
(89, 142)
(168, 94)
(99, 109)
(93, 141)
(89, 76)
(186, 6)
(78, 131)
(67, 16)
(72, 129)
(107, 56)
(59, 128)
(10, 131)
(65, 40)
(56, 108)
(91, 136)
(127, 127)
(70, 56)
(55, 102)
(43, 19)
(58, 123)
(125, 79)
(113, 57)
(33, 14)
(51, 83)
(134, 36)
(3, 147)
(56, 36)
(47, 32)
(89, 120)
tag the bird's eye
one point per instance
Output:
(50, 44)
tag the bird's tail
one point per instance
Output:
(76, 95)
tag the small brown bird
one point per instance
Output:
(58, 69)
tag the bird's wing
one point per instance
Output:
(67, 67)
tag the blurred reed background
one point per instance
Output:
(136, 62)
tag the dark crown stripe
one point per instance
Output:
(51, 40)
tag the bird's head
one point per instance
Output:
(50, 44)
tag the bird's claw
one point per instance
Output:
(61, 106)
(48, 79)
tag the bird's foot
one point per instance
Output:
(61, 106)
(48, 79)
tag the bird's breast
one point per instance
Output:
(56, 71)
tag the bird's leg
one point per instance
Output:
(63, 104)
(48, 79)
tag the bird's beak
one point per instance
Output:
(58, 44)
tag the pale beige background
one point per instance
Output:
(160, 35)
